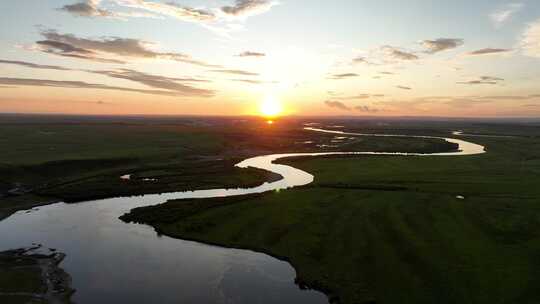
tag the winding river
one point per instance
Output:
(114, 262)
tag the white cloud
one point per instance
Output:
(505, 13)
(530, 41)
(220, 20)
(240, 9)
(170, 9)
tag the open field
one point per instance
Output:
(73, 159)
(392, 229)
(80, 159)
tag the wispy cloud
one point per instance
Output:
(384, 55)
(67, 50)
(343, 76)
(395, 53)
(337, 105)
(424, 103)
(78, 85)
(358, 96)
(483, 80)
(250, 81)
(509, 97)
(91, 9)
(34, 65)
(106, 49)
(489, 51)
(170, 9)
(530, 41)
(504, 13)
(159, 82)
(234, 72)
(240, 9)
(251, 54)
(441, 44)
(366, 109)
(254, 81)
(174, 85)
(470, 101)
(418, 104)
(388, 54)
(465, 102)
(403, 87)
(342, 106)
(362, 59)
(222, 20)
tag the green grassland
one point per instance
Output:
(48, 161)
(379, 229)
(369, 229)
(40, 143)
(43, 162)
(79, 158)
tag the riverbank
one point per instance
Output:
(445, 229)
(29, 276)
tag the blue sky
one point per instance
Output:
(418, 57)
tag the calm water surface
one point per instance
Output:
(112, 262)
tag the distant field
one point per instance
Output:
(391, 229)
(35, 144)
(50, 158)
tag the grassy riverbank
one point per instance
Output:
(392, 229)
(28, 277)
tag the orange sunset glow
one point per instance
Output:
(249, 58)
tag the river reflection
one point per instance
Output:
(114, 262)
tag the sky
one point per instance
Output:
(304, 57)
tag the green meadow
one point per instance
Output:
(380, 229)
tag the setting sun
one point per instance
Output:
(270, 107)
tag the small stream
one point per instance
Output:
(114, 262)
